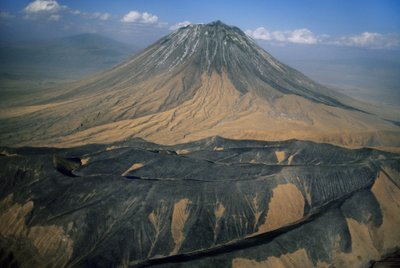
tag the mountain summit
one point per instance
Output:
(205, 48)
(199, 81)
(250, 201)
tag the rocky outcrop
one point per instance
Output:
(213, 202)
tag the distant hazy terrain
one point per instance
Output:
(376, 81)
(369, 75)
(63, 58)
(202, 150)
(26, 67)
(185, 87)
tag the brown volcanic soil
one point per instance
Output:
(223, 203)
(200, 81)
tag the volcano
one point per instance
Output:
(199, 81)
(201, 151)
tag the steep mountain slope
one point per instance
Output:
(200, 81)
(210, 203)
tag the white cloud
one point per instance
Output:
(180, 25)
(148, 18)
(101, 16)
(75, 12)
(298, 36)
(135, 16)
(105, 16)
(260, 33)
(302, 36)
(39, 8)
(42, 6)
(279, 36)
(370, 40)
(305, 36)
(365, 38)
(132, 16)
(54, 17)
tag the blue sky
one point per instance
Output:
(368, 23)
(353, 44)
